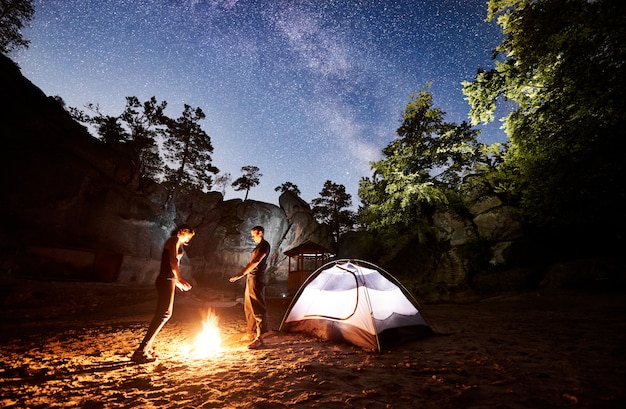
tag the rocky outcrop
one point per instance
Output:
(303, 225)
(488, 229)
(69, 211)
(467, 242)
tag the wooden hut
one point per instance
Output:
(303, 260)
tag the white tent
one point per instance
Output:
(352, 301)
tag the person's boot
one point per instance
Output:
(256, 344)
(143, 355)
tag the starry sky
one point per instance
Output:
(306, 90)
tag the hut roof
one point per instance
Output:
(308, 247)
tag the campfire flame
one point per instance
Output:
(209, 342)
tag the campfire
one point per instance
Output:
(209, 342)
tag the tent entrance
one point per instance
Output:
(340, 305)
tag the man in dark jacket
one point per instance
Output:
(254, 297)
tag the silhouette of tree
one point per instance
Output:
(133, 134)
(249, 179)
(221, 181)
(188, 147)
(288, 187)
(14, 16)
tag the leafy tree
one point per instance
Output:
(561, 65)
(249, 179)
(109, 128)
(332, 208)
(144, 121)
(188, 147)
(288, 187)
(59, 100)
(421, 170)
(133, 133)
(14, 16)
(111, 131)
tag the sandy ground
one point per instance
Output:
(69, 345)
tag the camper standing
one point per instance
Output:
(254, 296)
(167, 281)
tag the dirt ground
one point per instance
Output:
(69, 345)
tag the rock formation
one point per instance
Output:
(69, 211)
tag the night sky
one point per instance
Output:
(307, 91)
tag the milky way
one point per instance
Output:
(307, 91)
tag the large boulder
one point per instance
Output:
(482, 235)
(502, 223)
(453, 228)
(223, 243)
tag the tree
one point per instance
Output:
(288, 187)
(249, 179)
(421, 170)
(14, 16)
(561, 64)
(332, 208)
(221, 181)
(145, 123)
(188, 147)
(133, 133)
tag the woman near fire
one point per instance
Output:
(167, 281)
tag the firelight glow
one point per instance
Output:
(209, 342)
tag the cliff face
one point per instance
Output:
(69, 211)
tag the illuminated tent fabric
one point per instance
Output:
(352, 301)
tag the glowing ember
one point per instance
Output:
(208, 342)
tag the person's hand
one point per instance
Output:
(235, 278)
(183, 285)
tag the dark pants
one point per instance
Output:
(254, 305)
(165, 306)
